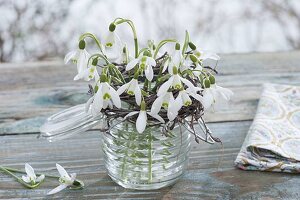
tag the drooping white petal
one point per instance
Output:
(132, 63)
(178, 103)
(138, 95)
(110, 39)
(149, 73)
(83, 75)
(208, 98)
(132, 85)
(226, 93)
(157, 104)
(150, 61)
(141, 121)
(82, 61)
(196, 96)
(177, 57)
(165, 86)
(172, 111)
(177, 81)
(26, 179)
(156, 116)
(122, 89)
(166, 64)
(113, 53)
(40, 178)
(115, 97)
(57, 189)
(97, 104)
(187, 82)
(209, 55)
(88, 104)
(69, 56)
(131, 114)
(63, 173)
(170, 67)
(185, 97)
(30, 171)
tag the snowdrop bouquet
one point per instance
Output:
(147, 86)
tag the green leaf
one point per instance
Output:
(186, 42)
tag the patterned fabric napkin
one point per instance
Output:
(273, 140)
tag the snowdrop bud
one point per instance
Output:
(177, 46)
(147, 53)
(96, 89)
(212, 79)
(192, 46)
(193, 58)
(81, 44)
(103, 78)
(112, 27)
(95, 61)
(207, 83)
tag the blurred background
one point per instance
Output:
(33, 30)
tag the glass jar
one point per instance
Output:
(148, 160)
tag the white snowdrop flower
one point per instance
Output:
(203, 55)
(89, 73)
(80, 57)
(132, 88)
(31, 176)
(112, 46)
(65, 180)
(215, 94)
(183, 99)
(221, 94)
(145, 64)
(174, 81)
(124, 57)
(177, 57)
(166, 101)
(141, 121)
(106, 96)
(162, 101)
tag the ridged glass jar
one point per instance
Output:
(147, 160)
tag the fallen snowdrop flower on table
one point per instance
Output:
(31, 176)
(66, 181)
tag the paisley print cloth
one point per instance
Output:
(273, 140)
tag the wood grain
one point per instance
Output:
(32, 91)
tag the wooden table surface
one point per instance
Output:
(32, 91)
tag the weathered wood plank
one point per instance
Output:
(204, 179)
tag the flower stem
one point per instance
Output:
(161, 44)
(150, 158)
(130, 23)
(90, 35)
(8, 169)
(18, 178)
